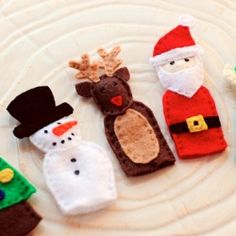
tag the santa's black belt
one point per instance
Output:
(195, 124)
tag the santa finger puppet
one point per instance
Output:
(130, 126)
(189, 108)
(78, 173)
(17, 217)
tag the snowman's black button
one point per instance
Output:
(76, 172)
(73, 160)
(2, 195)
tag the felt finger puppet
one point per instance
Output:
(131, 128)
(17, 217)
(78, 173)
(189, 108)
(230, 73)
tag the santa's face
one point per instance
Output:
(183, 76)
(58, 135)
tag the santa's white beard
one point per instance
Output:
(185, 82)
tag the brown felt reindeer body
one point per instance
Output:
(130, 126)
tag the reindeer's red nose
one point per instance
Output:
(61, 129)
(117, 101)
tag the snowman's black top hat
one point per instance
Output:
(35, 109)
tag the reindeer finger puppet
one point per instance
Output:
(189, 108)
(130, 126)
(78, 173)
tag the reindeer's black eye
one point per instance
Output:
(172, 62)
(115, 83)
(45, 131)
(102, 90)
(186, 59)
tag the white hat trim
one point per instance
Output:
(175, 54)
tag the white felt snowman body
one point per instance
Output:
(78, 173)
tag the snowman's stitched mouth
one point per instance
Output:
(64, 141)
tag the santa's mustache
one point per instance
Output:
(185, 82)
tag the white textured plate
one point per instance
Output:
(39, 37)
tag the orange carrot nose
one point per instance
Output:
(61, 129)
(117, 101)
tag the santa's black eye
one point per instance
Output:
(172, 62)
(45, 131)
(58, 123)
(186, 59)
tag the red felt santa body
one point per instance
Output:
(189, 108)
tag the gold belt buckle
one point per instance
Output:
(196, 124)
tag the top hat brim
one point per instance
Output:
(60, 111)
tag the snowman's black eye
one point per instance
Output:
(76, 172)
(54, 144)
(45, 131)
(72, 134)
(172, 62)
(62, 141)
(186, 59)
(58, 123)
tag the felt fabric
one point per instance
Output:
(109, 61)
(49, 138)
(163, 159)
(230, 73)
(6, 175)
(16, 189)
(80, 178)
(178, 108)
(109, 88)
(186, 81)
(176, 38)
(115, 87)
(35, 109)
(18, 220)
(79, 174)
(194, 124)
(136, 137)
(176, 44)
(86, 70)
(176, 54)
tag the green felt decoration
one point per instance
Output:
(18, 189)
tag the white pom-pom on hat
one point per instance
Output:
(187, 20)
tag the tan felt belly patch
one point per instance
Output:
(136, 136)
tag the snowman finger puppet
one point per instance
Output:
(78, 173)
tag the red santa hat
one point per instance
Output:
(177, 43)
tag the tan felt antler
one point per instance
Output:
(110, 63)
(86, 70)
